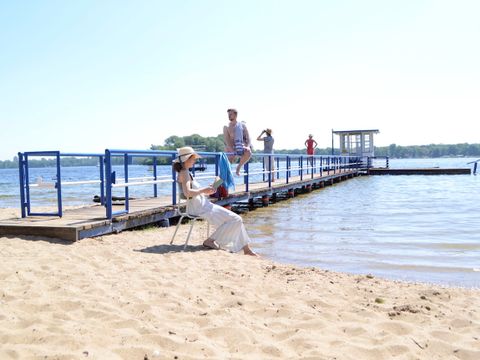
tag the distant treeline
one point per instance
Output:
(200, 143)
(429, 151)
(215, 144)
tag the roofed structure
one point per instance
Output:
(356, 142)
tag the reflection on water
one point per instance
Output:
(422, 228)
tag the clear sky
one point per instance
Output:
(88, 75)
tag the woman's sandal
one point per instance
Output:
(211, 244)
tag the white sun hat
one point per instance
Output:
(185, 153)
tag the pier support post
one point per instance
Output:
(274, 198)
(291, 193)
(265, 200)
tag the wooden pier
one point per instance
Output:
(90, 221)
(420, 171)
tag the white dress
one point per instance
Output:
(230, 233)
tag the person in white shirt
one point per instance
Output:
(230, 233)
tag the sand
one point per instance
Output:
(134, 296)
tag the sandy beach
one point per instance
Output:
(134, 296)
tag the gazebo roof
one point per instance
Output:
(355, 132)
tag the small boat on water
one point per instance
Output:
(201, 166)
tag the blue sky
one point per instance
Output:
(88, 75)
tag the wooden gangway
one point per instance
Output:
(90, 221)
(420, 171)
(293, 174)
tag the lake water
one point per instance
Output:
(418, 228)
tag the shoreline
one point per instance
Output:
(134, 296)
(6, 213)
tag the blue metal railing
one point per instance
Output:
(373, 160)
(305, 166)
(112, 181)
(128, 155)
(25, 185)
(475, 163)
(286, 167)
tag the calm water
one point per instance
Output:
(421, 228)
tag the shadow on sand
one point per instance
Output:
(166, 249)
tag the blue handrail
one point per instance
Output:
(475, 163)
(306, 166)
(314, 164)
(24, 177)
(127, 155)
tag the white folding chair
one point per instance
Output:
(184, 214)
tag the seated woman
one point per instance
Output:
(230, 233)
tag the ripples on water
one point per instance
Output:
(422, 228)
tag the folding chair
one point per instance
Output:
(192, 218)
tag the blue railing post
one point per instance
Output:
(102, 180)
(108, 187)
(263, 167)
(174, 182)
(312, 167)
(58, 185)
(155, 187)
(217, 164)
(321, 166)
(21, 176)
(301, 168)
(277, 172)
(27, 185)
(125, 177)
(269, 171)
(246, 177)
(287, 172)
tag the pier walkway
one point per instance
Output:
(293, 174)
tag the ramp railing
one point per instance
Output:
(114, 173)
(57, 184)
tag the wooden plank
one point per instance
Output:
(64, 232)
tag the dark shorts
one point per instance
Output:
(239, 150)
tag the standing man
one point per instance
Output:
(237, 140)
(311, 146)
(268, 161)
